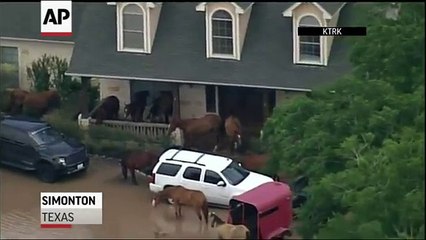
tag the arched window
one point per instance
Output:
(133, 27)
(222, 37)
(309, 46)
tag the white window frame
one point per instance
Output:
(321, 62)
(19, 62)
(120, 29)
(234, 55)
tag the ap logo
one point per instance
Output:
(56, 18)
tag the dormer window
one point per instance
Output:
(309, 46)
(133, 27)
(222, 33)
(226, 28)
(136, 25)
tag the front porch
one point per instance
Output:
(251, 105)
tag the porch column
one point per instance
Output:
(266, 107)
(176, 102)
(84, 96)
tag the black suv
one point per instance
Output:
(31, 144)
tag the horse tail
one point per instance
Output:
(205, 209)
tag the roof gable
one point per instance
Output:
(327, 8)
(241, 7)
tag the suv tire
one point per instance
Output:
(46, 173)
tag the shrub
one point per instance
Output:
(103, 132)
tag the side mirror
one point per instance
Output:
(221, 184)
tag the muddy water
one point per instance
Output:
(127, 210)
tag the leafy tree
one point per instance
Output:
(361, 141)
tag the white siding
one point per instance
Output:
(29, 51)
(192, 101)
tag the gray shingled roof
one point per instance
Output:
(331, 7)
(22, 20)
(179, 50)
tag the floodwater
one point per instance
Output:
(127, 210)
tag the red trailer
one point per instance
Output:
(265, 210)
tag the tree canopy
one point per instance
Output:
(361, 141)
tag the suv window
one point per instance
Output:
(212, 177)
(192, 173)
(169, 169)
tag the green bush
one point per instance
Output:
(361, 144)
(103, 132)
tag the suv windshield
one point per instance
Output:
(46, 136)
(234, 173)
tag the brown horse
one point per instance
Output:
(39, 103)
(16, 100)
(162, 106)
(106, 110)
(233, 132)
(135, 111)
(210, 123)
(136, 108)
(143, 161)
(183, 196)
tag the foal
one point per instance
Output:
(183, 196)
(229, 231)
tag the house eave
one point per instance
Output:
(216, 83)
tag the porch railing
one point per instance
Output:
(142, 129)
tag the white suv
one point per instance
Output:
(218, 177)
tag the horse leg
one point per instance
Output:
(166, 117)
(132, 170)
(180, 210)
(198, 211)
(176, 206)
(124, 169)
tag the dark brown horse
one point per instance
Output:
(135, 111)
(162, 106)
(233, 132)
(143, 161)
(183, 196)
(106, 110)
(210, 123)
(136, 108)
(39, 103)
